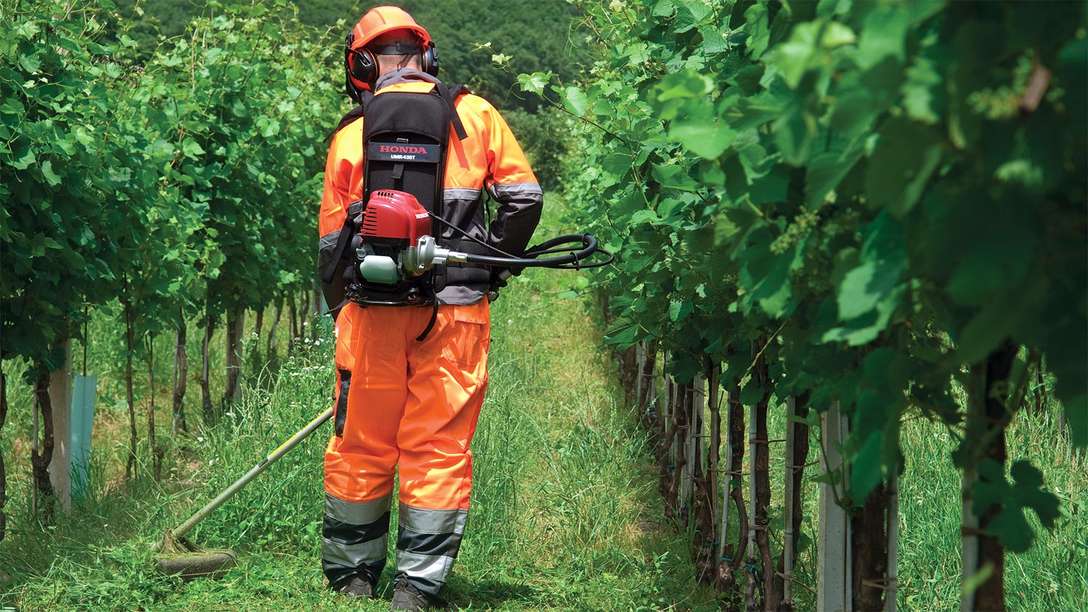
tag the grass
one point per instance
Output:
(565, 514)
(565, 510)
(1052, 575)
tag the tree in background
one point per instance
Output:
(537, 35)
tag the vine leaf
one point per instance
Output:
(1026, 491)
(575, 100)
(870, 292)
(706, 138)
(905, 157)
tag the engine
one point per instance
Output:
(394, 242)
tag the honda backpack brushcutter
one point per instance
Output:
(393, 248)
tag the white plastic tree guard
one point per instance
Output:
(789, 510)
(81, 424)
(833, 591)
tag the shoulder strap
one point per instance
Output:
(449, 95)
(355, 113)
(347, 231)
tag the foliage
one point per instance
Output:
(621, 553)
(545, 136)
(870, 195)
(177, 181)
(468, 34)
(249, 146)
(53, 175)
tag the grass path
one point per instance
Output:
(565, 509)
(566, 513)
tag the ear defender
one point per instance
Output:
(361, 66)
(428, 60)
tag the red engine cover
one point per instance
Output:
(395, 214)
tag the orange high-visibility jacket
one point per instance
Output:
(489, 158)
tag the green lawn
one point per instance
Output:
(1052, 576)
(565, 509)
(566, 512)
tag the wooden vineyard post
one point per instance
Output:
(696, 398)
(684, 450)
(670, 407)
(753, 587)
(258, 328)
(788, 509)
(714, 455)
(60, 399)
(892, 586)
(662, 413)
(727, 477)
(675, 407)
(698, 405)
(706, 471)
(640, 363)
(650, 403)
(833, 587)
(668, 445)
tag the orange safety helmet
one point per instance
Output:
(359, 62)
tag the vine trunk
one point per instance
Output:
(156, 451)
(3, 471)
(761, 473)
(43, 453)
(181, 376)
(130, 397)
(236, 320)
(205, 368)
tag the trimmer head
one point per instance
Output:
(179, 557)
(176, 556)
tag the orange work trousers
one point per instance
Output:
(411, 406)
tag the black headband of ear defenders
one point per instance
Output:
(397, 48)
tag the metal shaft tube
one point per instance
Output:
(255, 471)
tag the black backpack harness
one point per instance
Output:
(406, 143)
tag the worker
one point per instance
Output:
(411, 377)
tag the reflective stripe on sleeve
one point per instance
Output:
(328, 241)
(500, 192)
(461, 194)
